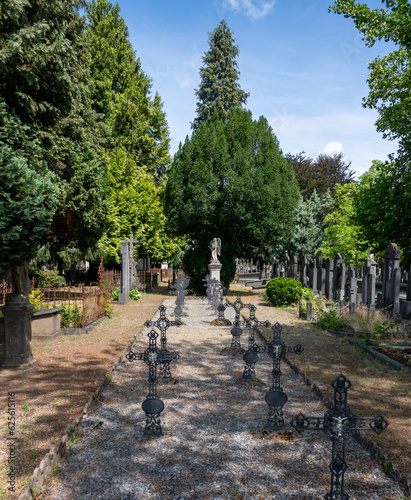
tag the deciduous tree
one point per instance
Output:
(320, 174)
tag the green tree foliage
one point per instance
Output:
(28, 200)
(120, 91)
(321, 174)
(390, 76)
(342, 234)
(309, 228)
(45, 112)
(383, 207)
(219, 88)
(230, 180)
(135, 207)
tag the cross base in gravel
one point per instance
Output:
(338, 422)
(153, 405)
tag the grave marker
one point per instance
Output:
(276, 397)
(153, 405)
(251, 356)
(163, 324)
(338, 422)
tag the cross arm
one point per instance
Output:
(132, 356)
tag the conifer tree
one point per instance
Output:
(230, 180)
(219, 88)
(45, 113)
(121, 91)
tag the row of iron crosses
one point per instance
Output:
(338, 422)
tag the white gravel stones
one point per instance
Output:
(210, 450)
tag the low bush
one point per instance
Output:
(284, 291)
(50, 278)
(331, 319)
(70, 316)
(135, 294)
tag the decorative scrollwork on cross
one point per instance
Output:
(338, 422)
(276, 397)
(251, 356)
(153, 405)
(163, 324)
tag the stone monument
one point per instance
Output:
(215, 265)
(17, 321)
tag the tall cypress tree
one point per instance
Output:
(121, 91)
(219, 88)
(46, 114)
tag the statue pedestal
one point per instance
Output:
(214, 269)
(17, 335)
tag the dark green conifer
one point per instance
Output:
(219, 88)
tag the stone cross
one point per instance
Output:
(338, 422)
(251, 357)
(153, 405)
(163, 324)
(276, 397)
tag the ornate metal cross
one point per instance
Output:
(163, 324)
(251, 357)
(338, 422)
(237, 331)
(153, 405)
(276, 397)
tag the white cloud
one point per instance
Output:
(333, 147)
(256, 9)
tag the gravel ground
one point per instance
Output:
(213, 445)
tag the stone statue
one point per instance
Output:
(215, 247)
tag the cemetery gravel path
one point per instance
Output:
(212, 446)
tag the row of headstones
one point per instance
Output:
(338, 422)
(336, 281)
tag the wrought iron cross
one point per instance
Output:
(251, 356)
(338, 422)
(163, 324)
(276, 397)
(237, 331)
(153, 405)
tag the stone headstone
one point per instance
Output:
(368, 283)
(339, 278)
(391, 278)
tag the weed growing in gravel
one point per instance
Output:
(287, 472)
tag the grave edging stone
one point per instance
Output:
(370, 445)
(41, 473)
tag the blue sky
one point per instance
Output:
(305, 69)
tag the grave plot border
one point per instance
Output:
(366, 442)
(41, 473)
(371, 350)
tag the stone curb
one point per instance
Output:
(382, 357)
(365, 441)
(46, 467)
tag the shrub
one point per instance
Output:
(71, 316)
(331, 319)
(135, 294)
(50, 278)
(284, 291)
